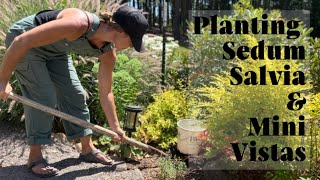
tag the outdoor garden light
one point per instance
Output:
(130, 121)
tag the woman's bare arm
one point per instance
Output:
(107, 62)
(70, 26)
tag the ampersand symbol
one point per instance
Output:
(295, 104)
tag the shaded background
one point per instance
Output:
(177, 11)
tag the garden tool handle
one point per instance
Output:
(84, 123)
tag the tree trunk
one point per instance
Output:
(266, 4)
(182, 13)
(315, 14)
(154, 12)
(185, 7)
(149, 9)
(210, 4)
(172, 17)
(216, 4)
(176, 18)
(160, 7)
(168, 11)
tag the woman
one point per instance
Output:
(37, 49)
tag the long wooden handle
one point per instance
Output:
(83, 123)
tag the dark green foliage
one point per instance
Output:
(124, 87)
(178, 68)
(315, 64)
(122, 150)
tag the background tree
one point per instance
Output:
(177, 11)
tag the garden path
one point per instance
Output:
(14, 153)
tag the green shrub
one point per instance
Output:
(313, 108)
(229, 108)
(159, 122)
(122, 150)
(315, 64)
(178, 68)
(124, 87)
(125, 91)
(150, 81)
(125, 82)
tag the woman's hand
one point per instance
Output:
(120, 136)
(5, 89)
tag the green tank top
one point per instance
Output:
(80, 46)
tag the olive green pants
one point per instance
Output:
(51, 81)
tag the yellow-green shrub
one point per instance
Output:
(159, 122)
(229, 107)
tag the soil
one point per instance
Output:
(64, 156)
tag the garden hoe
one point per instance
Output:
(85, 124)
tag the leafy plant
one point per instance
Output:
(125, 85)
(159, 122)
(150, 81)
(315, 64)
(313, 110)
(171, 169)
(178, 69)
(122, 150)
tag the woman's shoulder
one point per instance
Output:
(71, 13)
(80, 18)
(78, 15)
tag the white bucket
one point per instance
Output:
(189, 133)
